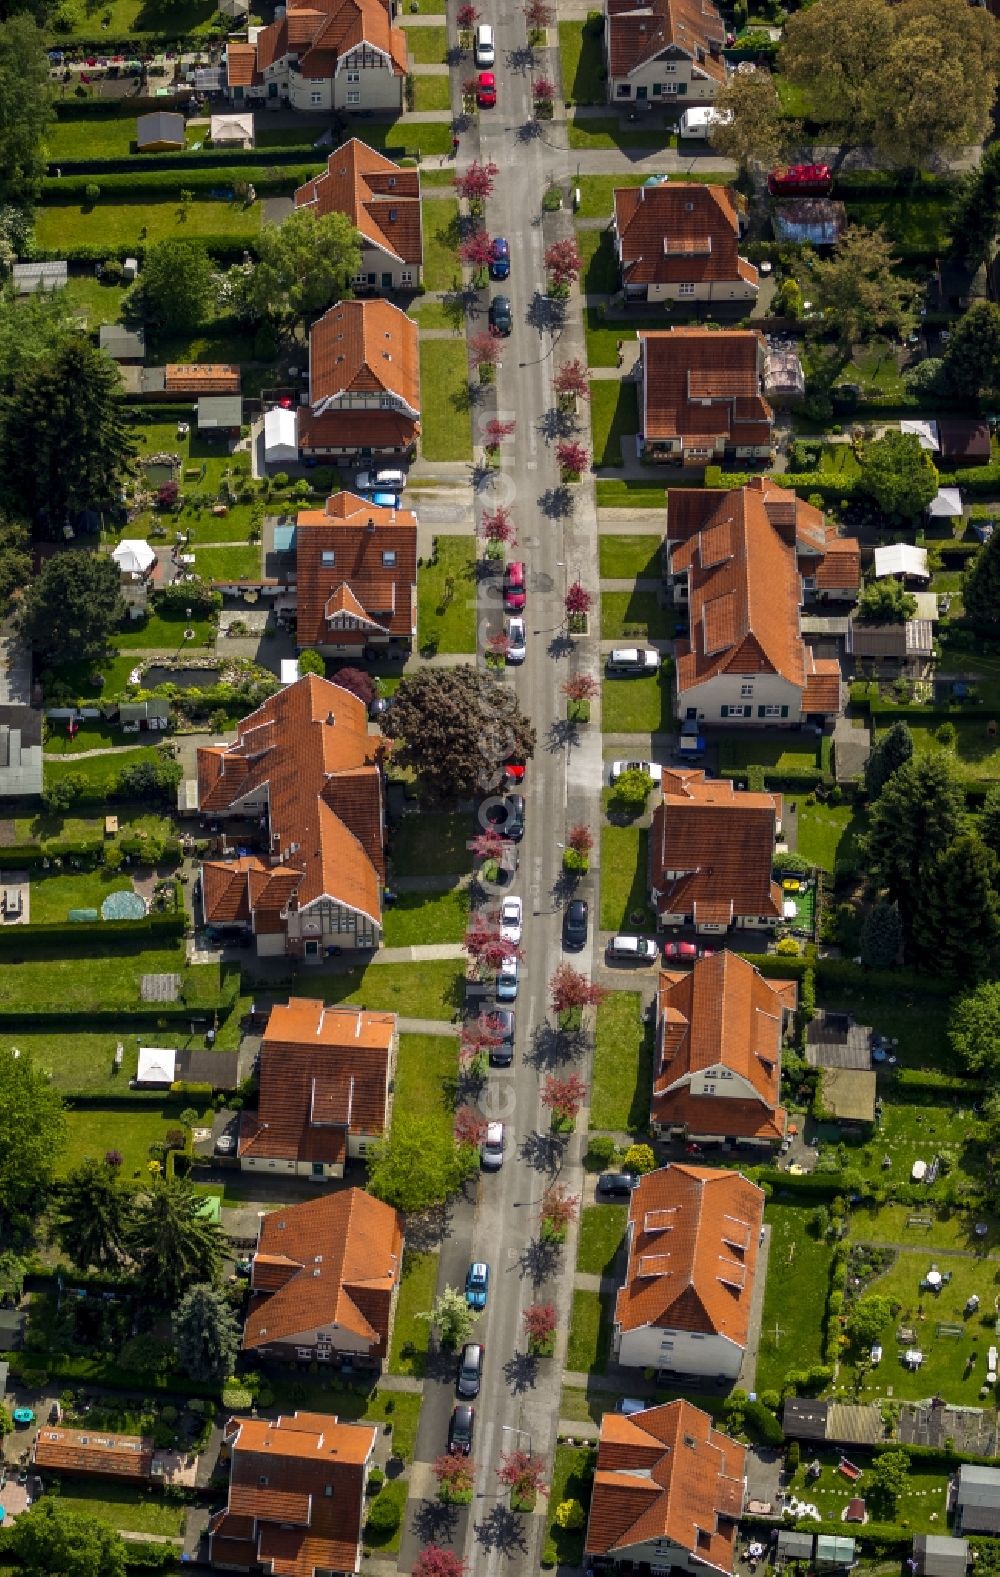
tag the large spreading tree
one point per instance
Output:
(456, 727)
(32, 1132)
(749, 127)
(64, 443)
(52, 1540)
(25, 108)
(419, 1165)
(971, 362)
(899, 475)
(72, 607)
(176, 287)
(172, 1242)
(886, 602)
(305, 264)
(974, 1030)
(92, 1221)
(858, 288)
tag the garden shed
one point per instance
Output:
(946, 506)
(924, 430)
(809, 221)
(281, 444)
(847, 1095)
(134, 556)
(793, 1546)
(833, 1553)
(220, 413)
(29, 277)
(160, 131)
(698, 122)
(939, 1555)
(122, 344)
(965, 440)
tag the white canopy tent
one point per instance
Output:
(157, 1065)
(902, 559)
(926, 431)
(280, 435)
(134, 556)
(947, 505)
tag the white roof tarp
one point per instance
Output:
(902, 558)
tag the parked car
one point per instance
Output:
(486, 49)
(470, 1369)
(651, 768)
(502, 1054)
(515, 591)
(511, 919)
(461, 1429)
(477, 1285)
(680, 952)
(617, 1185)
(501, 318)
(500, 261)
(576, 920)
(513, 771)
(383, 500)
(508, 980)
(625, 661)
(385, 477)
(492, 1149)
(517, 641)
(486, 90)
(624, 949)
(225, 1144)
(507, 816)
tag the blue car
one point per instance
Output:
(384, 500)
(477, 1285)
(500, 261)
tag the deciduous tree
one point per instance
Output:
(176, 287)
(52, 1538)
(469, 1125)
(886, 1481)
(558, 1209)
(569, 989)
(496, 431)
(206, 1333)
(563, 261)
(32, 1132)
(573, 457)
(305, 264)
(497, 523)
(15, 561)
(974, 1029)
(172, 1242)
(580, 838)
(632, 789)
(571, 381)
(451, 1316)
(857, 288)
(485, 348)
(976, 217)
(434, 1561)
(835, 50)
(639, 1158)
(476, 249)
(580, 687)
(478, 1037)
(476, 182)
(899, 475)
(538, 14)
(543, 90)
(418, 1166)
(989, 820)
(467, 16)
(564, 1094)
(26, 95)
(92, 1218)
(868, 1319)
(886, 602)
(748, 127)
(521, 1472)
(456, 1477)
(578, 599)
(456, 727)
(540, 1321)
(487, 845)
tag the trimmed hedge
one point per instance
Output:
(32, 854)
(225, 248)
(830, 489)
(794, 778)
(61, 1366)
(110, 936)
(182, 163)
(888, 1535)
(873, 184)
(143, 185)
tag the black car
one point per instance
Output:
(501, 317)
(470, 1370)
(502, 1020)
(617, 1185)
(461, 1429)
(507, 816)
(576, 920)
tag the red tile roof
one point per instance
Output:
(318, 33)
(201, 378)
(378, 430)
(721, 1015)
(324, 1072)
(677, 233)
(332, 1261)
(682, 367)
(720, 844)
(692, 1252)
(94, 1452)
(309, 750)
(359, 581)
(667, 1474)
(307, 1470)
(823, 692)
(364, 347)
(639, 30)
(380, 198)
(241, 65)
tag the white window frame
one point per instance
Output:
(354, 76)
(746, 691)
(406, 276)
(772, 711)
(686, 288)
(316, 98)
(354, 95)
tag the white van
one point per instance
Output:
(486, 52)
(633, 949)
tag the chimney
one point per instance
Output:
(371, 523)
(330, 719)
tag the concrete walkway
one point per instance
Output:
(426, 1026)
(419, 955)
(640, 583)
(631, 522)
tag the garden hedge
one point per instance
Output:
(795, 779)
(181, 163)
(105, 1372)
(148, 184)
(889, 1536)
(102, 936)
(224, 248)
(31, 854)
(830, 489)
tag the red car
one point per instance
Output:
(801, 180)
(514, 771)
(486, 90)
(686, 951)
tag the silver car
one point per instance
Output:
(492, 1149)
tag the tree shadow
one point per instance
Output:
(481, 475)
(528, 131)
(434, 1523)
(440, 1364)
(458, 303)
(557, 423)
(539, 1261)
(556, 502)
(521, 1372)
(546, 1051)
(453, 56)
(543, 1152)
(545, 313)
(426, 1232)
(521, 59)
(502, 1529)
(561, 731)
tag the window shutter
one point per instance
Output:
(725, 711)
(784, 711)
(682, 87)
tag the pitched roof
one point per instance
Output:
(719, 842)
(364, 347)
(324, 1071)
(318, 33)
(380, 198)
(308, 748)
(683, 368)
(242, 70)
(666, 1473)
(296, 1493)
(638, 32)
(331, 1261)
(93, 1452)
(692, 1252)
(823, 690)
(346, 429)
(356, 548)
(201, 378)
(722, 1014)
(678, 232)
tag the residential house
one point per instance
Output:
(296, 1500)
(303, 781)
(356, 569)
(692, 1240)
(717, 1069)
(701, 396)
(324, 1280)
(669, 1491)
(939, 1555)
(680, 242)
(977, 1501)
(382, 201)
(324, 1078)
(364, 383)
(322, 55)
(711, 851)
(733, 561)
(162, 131)
(95, 1454)
(21, 767)
(665, 52)
(198, 378)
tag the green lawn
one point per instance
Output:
(98, 137)
(624, 889)
(427, 46)
(94, 1130)
(83, 1061)
(52, 896)
(114, 224)
(204, 526)
(913, 224)
(604, 334)
(571, 1480)
(796, 102)
(446, 597)
(605, 132)
(97, 302)
(229, 563)
(635, 613)
(416, 1293)
(101, 772)
(917, 1019)
(394, 1493)
(637, 555)
(208, 457)
(916, 1122)
(584, 74)
(827, 833)
(45, 829)
(769, 750)
(920, 1507)
(408, 137)
(428, 990)
(589, 1332)
(431, 843)
(600, 266)
(602, 1231)
(134, 1510)
(92, 735)
(114, 672)
(130, 17)
(446, 418)
(975, 753)
(431, 93)
(619, 493)
(426, 1068)
(441, 236)
(597, 192)
(946, 1228)
(416, 919)
(839, 460)
(623, 1051)
(638, 706)
(614, 411)
(798, 1272)
(437, 315)
(165, 632)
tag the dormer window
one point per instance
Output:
(329, 556)
(389, 558)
